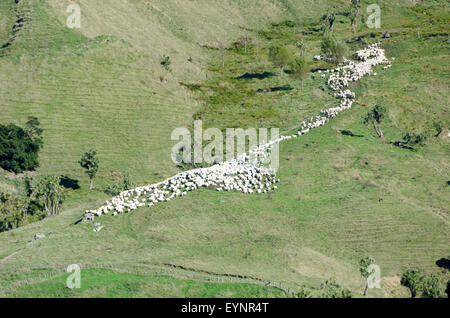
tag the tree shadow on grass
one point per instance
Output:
(349, 133)
(443, 263)
(275, 89)
(259, 76)
(69, 183)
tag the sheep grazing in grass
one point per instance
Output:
(247, 173)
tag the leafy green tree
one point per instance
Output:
(333, 49)
(438, 126)
(301, 45)
(279, 56)
(375, 116)
(19, 148)
(366, 271)
(354, 13)
(47, 189)
(329, 19)
(299, 68)
(414, 280)
(432, 287)
(90, 162)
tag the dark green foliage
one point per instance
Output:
(414, 139)
(16, 210)
(421, 284)
(333, 49)
(90, 162)
(414, 280)
(19, 147)
(48, 191)
(432, 287)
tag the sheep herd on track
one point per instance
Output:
(248, 173)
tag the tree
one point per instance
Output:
(438, 126)
(414, 280)
(432, 287)
(279, 56)
(90, 162)
(19, 148)
(329, 19)
(47, 190)
(366, 270)
(299, 68)
(301, 45)
(354, 12)
(333, 49)
(375, 116)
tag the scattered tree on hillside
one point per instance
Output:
(432, 287)
(279, 56)
(354, 12)
(366, 270)
(375, 116)
(19, 147)
(301, 45)
(329, 19)
(47, 189)
(437, 125)
(414, 280)
(333, 49)
(299, 68)
(90, 162)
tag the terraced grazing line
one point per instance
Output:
(248, 173)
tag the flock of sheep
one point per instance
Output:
(248, 173)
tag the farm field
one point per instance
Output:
(343, 194)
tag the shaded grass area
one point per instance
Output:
(107, 283)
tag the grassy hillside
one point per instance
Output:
(342, 196)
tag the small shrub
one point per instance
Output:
(165, 62)
(333, 49)
(119, 182)
(279, 56)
